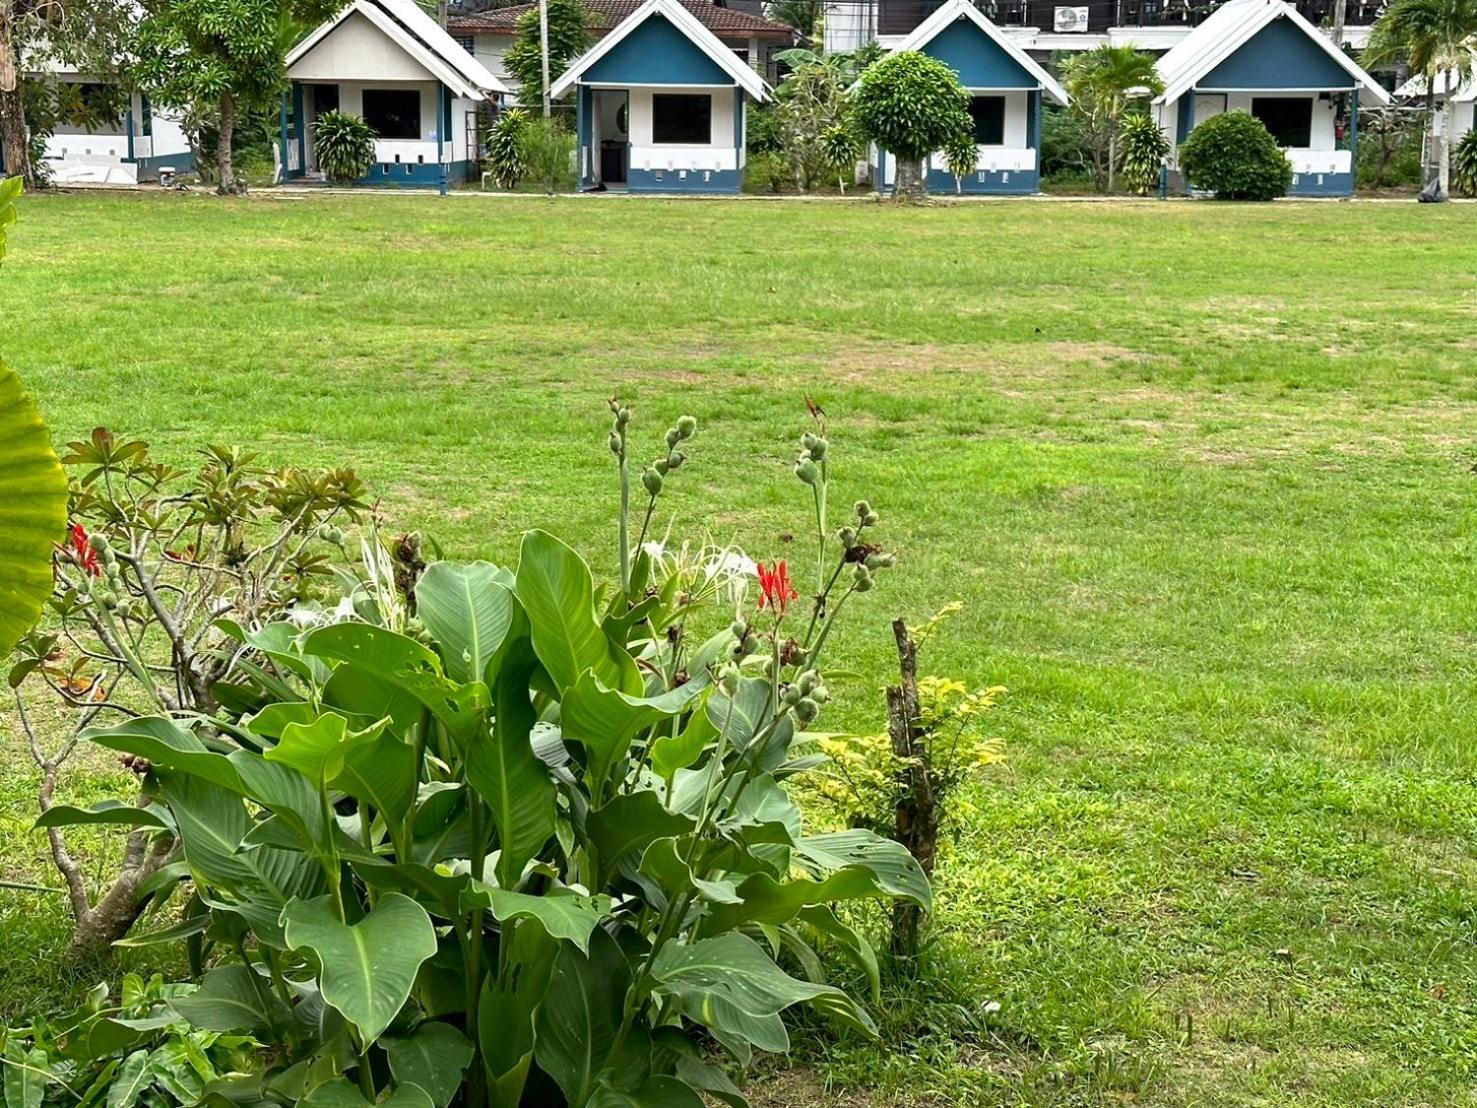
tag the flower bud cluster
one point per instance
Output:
(812, 454)
(743, 641)
(805, 697)
(621, 419)
(653, 475)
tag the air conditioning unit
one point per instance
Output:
(1070, 21)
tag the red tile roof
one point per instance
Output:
(726, 23)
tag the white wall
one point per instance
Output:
(358, 50)
(351, 101)
(490, 50)
(1321, 155)
(720, 153)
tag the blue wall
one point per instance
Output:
(1280, 55)
(656, 53)
(977, 58)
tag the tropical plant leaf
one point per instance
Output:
(896, 871)
(505, 1013)
(368, 967)
(580, 1015)
(563, 913)
(165, 743)
(556, 590)
(661, 1091)
(25, 1076)
(433, 1057)
(104, 812)
(132, 1078)
(629, 823)
(468, 609)
(233, 998)
(605, 721)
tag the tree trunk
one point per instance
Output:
(1433, 138)
(908, 184)
(916, 819)
(229, 184)
(13, 134)
(1443, 162)
(1112, 157)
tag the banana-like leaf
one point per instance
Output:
(369, 967)
(896, 871)
(663, 864)
(468, 609)
(339, 1093)
(563, 913)
(556, 590)
(165, 743)
(762, 899)
(25, 1075)
(505, 1013)
(660, 1091)
(114, 812)
(580, 1016)
(132, 1078)
(605, 721)
(501, 764)
(381, 774)
(629, 823)
(317, 750)
(669, 753)
(33, 491)
(432, 1057)
(234, 998)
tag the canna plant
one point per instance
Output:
(531, 844)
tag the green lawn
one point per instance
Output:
(1202, 474)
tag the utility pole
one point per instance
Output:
(543, 49)
(1340, 13)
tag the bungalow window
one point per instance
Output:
(394, 113)
(988, 114)
(682, 118)
(1289, 118)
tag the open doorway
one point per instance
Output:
(612, 109)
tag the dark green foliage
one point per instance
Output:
(1389, 148)
(548, 152)
(569, 37)
(345, 146)
(814, 127)
(1464, 165)
(961, 155)
(1142, 148)
(1234, 156)
(910, 105)
(505, 148)
(1063, 148)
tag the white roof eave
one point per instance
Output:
(954, 10)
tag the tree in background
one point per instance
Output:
(1142, 148)
(804, 15)
(1103, 84)
(90, 36)
(1436, 39)
(814, 128)
(229, 55)
(910, 105)
(569, 37)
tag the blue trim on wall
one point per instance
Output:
(584, 104)
(1014, 182)
(282, 136)
(1034, 107)
(300, 124)
(1332, 184)
(1184, 121)
(1280, 55)
(977, 58)
(656, 53)
(128, 122)
(148, 168)
(719, 181)
(412, 174)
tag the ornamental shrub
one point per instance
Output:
(961, 156)
(506, 150)
(910, 105)
(1464, 165)
(1142, 148)
(1234, 156)
(506, 828)
(345, 145)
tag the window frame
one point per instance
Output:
(992, 98)
(656, 100)
(365, 95)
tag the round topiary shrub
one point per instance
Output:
(910, 105)
(1234, 156)
(345, 145)
(1464, 165)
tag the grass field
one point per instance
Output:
(1202, 474)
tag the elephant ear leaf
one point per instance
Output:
(433, 1057)
(369, 966)
(33, 489)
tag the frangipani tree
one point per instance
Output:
(1103, 84)
(1437, 39)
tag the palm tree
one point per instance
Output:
(803, 15)
(1103, 83)
(1437, 40)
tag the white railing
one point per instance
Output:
(684, 157)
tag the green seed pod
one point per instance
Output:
(807, 681)
(677, 458)
(728, 678)
(805, 470)
(739, 628)
(791, 695)
(863, 510)
(673, 437)
(848, 537)
(861, 573)
(820, 694)
(653, 481)
(871, 519)
(818, 449)
(661, 466)
(808, 440)
(615, 442)
(98, 542)
(623, 417)
(686, 426)
(107, 599)
(863, 584)
(806, 709)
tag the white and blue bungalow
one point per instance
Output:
(1006, 90)
(390, 63)
(1262, 57)
(660, 105)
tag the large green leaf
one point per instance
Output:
(468, 609)
(563, 913)
(580, 1015)
(556, 590)
(605, 721)
(132, 1078)
(33, 496)
(669, 752)
(719, 979)
(743, 714)
(165, 743)
(369, 967)
(339, 1093)
(318, 749)
(433, 1057)
(114, 812)
(896, 871)
(233, 998)
(381, 774)
(501, 764)
(629, 823)
(505, 1013)
(25, 1074)
(661, 1091)
(408, 666)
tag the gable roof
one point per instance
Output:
(419, 36)
(685, 22)
(724, 22)
(1446, 79)
(955, 10)
(1232, 26)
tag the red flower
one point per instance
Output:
(775, 590)
(83, 553)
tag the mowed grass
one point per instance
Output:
(1202, 475)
